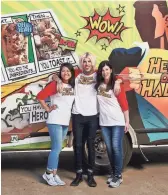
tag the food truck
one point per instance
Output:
(35, 42)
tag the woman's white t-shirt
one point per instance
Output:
(64, 100)
(111, 107)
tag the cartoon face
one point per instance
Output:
(151, 19)
(160, 21)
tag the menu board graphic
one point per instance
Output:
(33, 44)
(48, 38)
(17, 51)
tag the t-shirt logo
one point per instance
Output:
(102, 91)
(86, 80)
(67, 91)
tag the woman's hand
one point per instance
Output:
(53, 107)
(126, 127)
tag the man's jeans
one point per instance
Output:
(79, 124)
(113, 137)
(57, 134)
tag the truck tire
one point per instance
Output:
(102, 163)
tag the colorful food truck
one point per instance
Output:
(133, 36)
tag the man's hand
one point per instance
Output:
(117, 88)
(59, 83)
(56, 78)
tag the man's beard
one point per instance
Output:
(88, 72)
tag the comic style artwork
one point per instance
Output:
(51, 47)
(14, 44)
(132, 35)
(104, 27)
(33, 44)
(17, 51)
(23, 114)
(152, 15)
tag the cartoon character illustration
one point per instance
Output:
(10, 116)
(135, 77)
(151, 19)
(132, 78)
(143, 115)
(12, 121)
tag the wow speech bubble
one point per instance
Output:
(104, 27)
(24, 27)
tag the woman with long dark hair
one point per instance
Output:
(59, 113)
(113, 119)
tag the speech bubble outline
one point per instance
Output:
(24, 27)
(97, 26)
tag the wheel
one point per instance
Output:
(101, 158)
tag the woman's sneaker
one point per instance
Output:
(59, 181)
(110, 178)
(116, 181)
(49, 178)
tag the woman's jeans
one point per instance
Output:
(113, 137)
(57, 134)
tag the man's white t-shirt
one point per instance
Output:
(85, 95)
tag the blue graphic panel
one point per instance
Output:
(152, 118)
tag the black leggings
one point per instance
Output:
(79, 124)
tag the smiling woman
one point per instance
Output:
(113, 119)
(59, 36)
(59, 113)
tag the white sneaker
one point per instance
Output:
(109, 180)
(116, 181)
(59, 181)
(49, 178)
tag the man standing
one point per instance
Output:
(84, 115)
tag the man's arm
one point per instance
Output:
(77, 71)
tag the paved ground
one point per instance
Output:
(21, 175)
